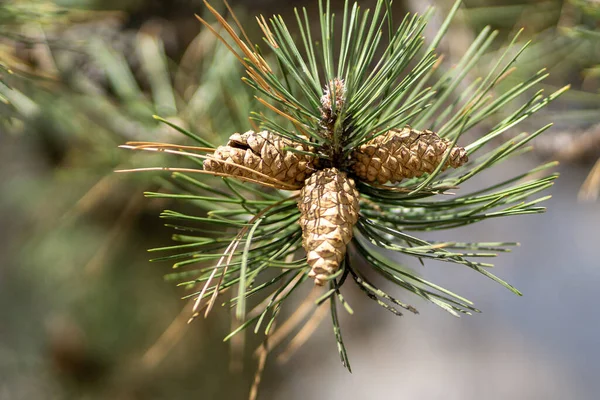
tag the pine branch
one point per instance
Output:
(373, 182)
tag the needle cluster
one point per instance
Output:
(359, 149)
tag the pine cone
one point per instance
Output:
(337, 88)
(405, 153)
(264, 153)
(328, 211)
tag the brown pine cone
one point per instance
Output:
(262, 152)
(404, 153)
(328, 211)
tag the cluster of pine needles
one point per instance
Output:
(360, 147)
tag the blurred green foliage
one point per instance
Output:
(78, 272)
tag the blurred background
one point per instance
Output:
(85, 315)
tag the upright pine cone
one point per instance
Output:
(262, 152)
(328, 211)
(405, 153)
(336, 87)
(332, 102)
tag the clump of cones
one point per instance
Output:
(329, 200)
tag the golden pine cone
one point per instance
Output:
(264, 153)
(404, 153)
(328, 211)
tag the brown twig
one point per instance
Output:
(590, 189)
(262, 353)
(294, 320)
(167, 340)
(304, 334)
(120, 228)
(572, 147)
